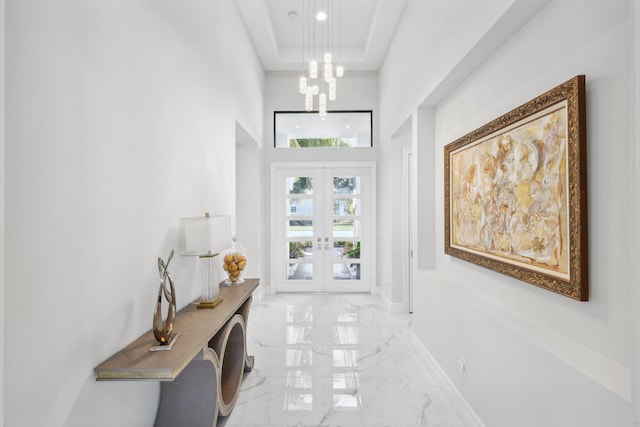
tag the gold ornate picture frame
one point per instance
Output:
(516, 193)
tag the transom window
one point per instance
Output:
(338, 129)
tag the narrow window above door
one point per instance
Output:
(338, 129)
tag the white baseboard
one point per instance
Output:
(451, 392)
(393, 307)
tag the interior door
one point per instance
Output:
(322, 227)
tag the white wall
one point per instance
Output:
(120, 120)
(357, 90)
(635, 250)
(433, 37)
(249, 216)
(394, 260)
(2, 206)
(423, 145)
(437, 42)
(533, 357)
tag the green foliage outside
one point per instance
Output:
(296, 249)
(302, 185)
(344, 185)
(317, 142)
(350, 250)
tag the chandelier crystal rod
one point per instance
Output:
(318, 28)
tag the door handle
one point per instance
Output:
(319, 243)
(326, 243)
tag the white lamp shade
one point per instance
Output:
(206, 235)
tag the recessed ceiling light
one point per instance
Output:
(321, 16)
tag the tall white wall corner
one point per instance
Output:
(423, 147)
(636, 240)
(2, 195)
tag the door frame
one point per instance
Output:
(371, 165)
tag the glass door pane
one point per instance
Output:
(321, 228)
(296, 197)
(299, 229)
(349, 204)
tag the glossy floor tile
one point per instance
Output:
(335, 360)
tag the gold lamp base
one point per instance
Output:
(210, 304)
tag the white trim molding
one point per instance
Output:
(393, 307)
(464, 410)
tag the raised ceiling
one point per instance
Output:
(364, 27)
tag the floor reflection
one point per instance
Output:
(335, 360)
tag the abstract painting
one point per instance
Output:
(515, 193)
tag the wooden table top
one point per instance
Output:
(195, 326)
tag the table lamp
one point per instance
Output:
(205, 237)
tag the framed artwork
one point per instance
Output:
(516, 193)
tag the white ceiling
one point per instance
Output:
(364, 27)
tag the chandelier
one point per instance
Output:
(320, 29)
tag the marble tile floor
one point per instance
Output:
(335, 360)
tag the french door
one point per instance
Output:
(323, 219)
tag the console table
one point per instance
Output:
(201, 374)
